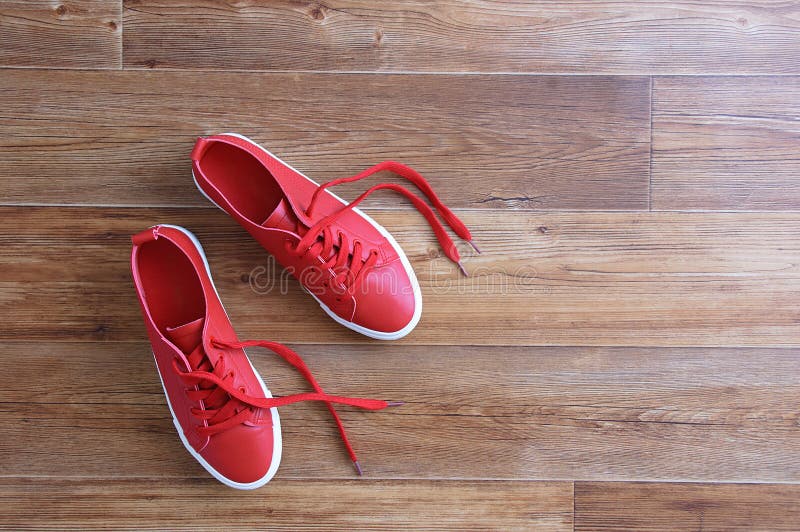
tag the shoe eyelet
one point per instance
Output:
(242, 389)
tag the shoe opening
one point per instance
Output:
(248, 186)
(171, 287)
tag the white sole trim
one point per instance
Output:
(378, 335)
(277, 448)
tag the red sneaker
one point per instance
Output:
(224, 414)
(351, 265)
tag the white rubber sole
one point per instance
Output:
(378, 335)
(277, 449)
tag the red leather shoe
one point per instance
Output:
(351, 265)
(224, 413)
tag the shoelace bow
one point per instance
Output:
(228, 406)
(338, 260)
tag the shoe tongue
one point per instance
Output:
(282, 218)
(187, 336)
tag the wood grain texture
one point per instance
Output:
(484, 141)
(97, 410)
(597, 366)
(60, 34)
(721, 507)
(296, 505)
(726, 143)
(757, 36)
(644, 279)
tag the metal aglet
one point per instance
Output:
(394, 403)
(358, 468)
(463, 270)
(471, 243)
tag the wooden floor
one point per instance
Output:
(626, 354)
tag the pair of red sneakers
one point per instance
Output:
(224, 413)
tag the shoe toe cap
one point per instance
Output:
(243, 455)
(387, 302)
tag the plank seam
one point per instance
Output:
(576, 481)
(650, 165)
(629, 75)
(366, 343)
(574, 514)
(409, 208)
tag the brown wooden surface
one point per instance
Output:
(458, 36)
(720, 507)
(60, 34)
(298, 505)
(471, 413)
(726, 143)
(485, 141)
(603, 355)
(638, 279)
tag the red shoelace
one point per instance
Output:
(349, 274)
(228, 406)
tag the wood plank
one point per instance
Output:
(726, 143)
(296, 505)
(574, 36)
(639, 506)
(646, 279)
(484, 141)
(97, 410)
(61, 34)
